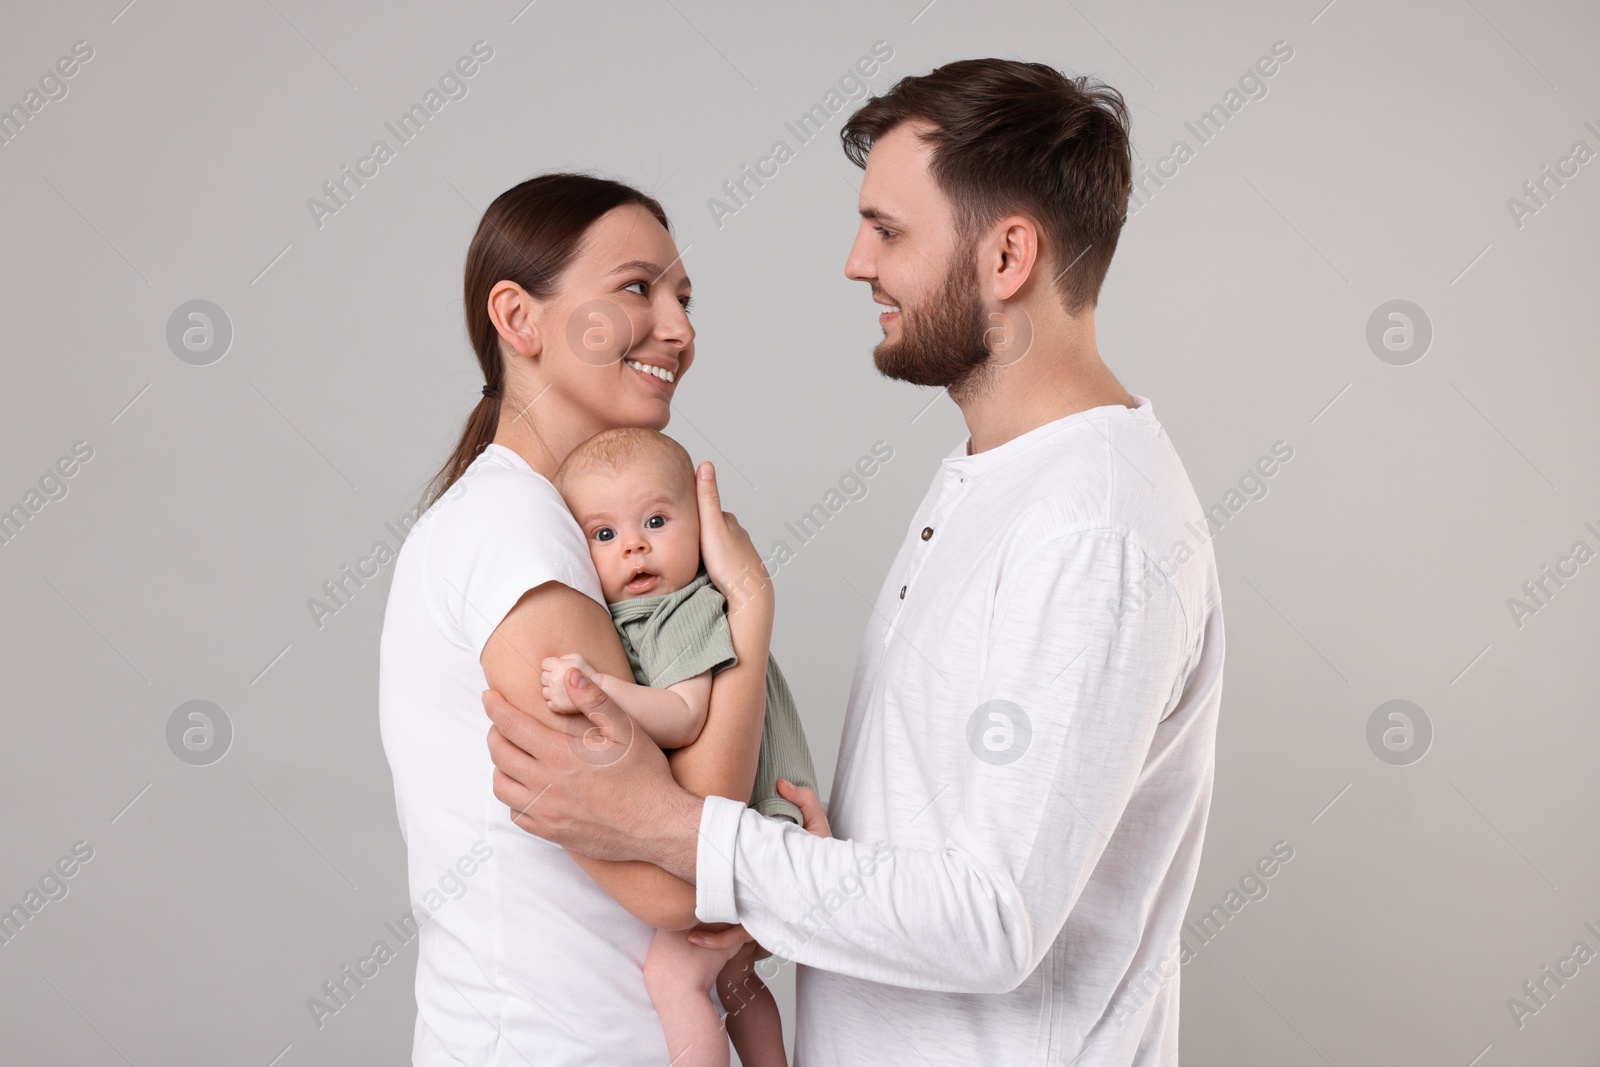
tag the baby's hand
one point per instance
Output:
(552, 677)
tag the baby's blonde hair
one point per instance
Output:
(612, 450)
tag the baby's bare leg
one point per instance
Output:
(678, 977)
(753, 1020)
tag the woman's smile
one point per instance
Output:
(658, 376)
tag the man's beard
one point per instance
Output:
(943, 343)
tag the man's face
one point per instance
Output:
(642, 526)
(910, 251)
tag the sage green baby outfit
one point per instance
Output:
(674, 636)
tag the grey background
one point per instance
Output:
(1378, 567)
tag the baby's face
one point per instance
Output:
(642, 527)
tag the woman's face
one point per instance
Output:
(616, 338)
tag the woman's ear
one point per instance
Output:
(517, 317)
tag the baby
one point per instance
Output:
(632, 491)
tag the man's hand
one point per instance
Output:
(813, 819)
(600, 789)
(552, 671)
(727, 940)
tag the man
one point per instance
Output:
(1027, 761)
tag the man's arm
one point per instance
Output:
(1093, 682)
(1087, 659)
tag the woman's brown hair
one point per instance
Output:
(529, 235)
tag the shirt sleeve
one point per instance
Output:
(507, 533)
(1085, 651)
(693, 639)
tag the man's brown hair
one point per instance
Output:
(1020, 137)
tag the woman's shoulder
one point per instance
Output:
(499, 531)
(499, 488)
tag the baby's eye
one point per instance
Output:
(655, 522)
(604, 533)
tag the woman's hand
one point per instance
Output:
(730, 558)
(814, 819)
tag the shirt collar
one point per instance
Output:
(958, 461)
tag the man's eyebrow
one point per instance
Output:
(655, 270)
(877, 214)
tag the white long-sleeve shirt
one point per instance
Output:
(1024, 777)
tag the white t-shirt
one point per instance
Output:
(1025, 773)
(523, 958)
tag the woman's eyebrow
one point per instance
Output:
(637, 264)
(655, 270)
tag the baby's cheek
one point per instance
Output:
(688, 545)
(685, 564)
(687, 554)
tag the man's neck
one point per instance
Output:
(1051, 382)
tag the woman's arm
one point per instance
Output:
(722, 761)
(551, 620)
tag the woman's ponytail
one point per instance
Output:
(476, 436)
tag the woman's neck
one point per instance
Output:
(540, 447)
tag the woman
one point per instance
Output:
(528, 954)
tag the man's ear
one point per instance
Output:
(1015, 255)
(518, 318)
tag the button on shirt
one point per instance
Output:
(1024, 776)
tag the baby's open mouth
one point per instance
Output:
(641, 580)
